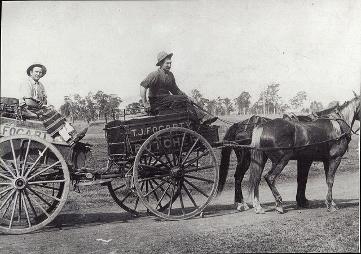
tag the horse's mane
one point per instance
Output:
(327, 110)
(347, 103)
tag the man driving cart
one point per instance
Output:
(164, 94)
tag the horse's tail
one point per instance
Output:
(258, 158)
(223, 168)
(225, 156)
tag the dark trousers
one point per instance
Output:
(166, 104)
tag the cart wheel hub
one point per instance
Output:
(20, 183)
(176, 172)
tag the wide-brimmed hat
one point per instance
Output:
(36, 65)
(163, 55)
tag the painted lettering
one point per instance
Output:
(12, 131)
(19, 131)
(133, 131)
(5, 129)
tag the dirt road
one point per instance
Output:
(108, 229)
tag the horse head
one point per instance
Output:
(356, 109)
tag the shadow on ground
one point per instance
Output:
(220, 210)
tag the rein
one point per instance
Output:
(235, 144)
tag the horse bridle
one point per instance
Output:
(357, 112)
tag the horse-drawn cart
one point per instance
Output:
(165, 163)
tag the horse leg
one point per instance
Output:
(303, 167)
(243, 160)
(257, 169)
(270, 178)
(330, 170)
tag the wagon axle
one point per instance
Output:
(20, 183)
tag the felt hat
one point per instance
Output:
(36, 65)
(161, 56)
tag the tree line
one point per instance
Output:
(91, 107)
(268, 102)
(99, 105)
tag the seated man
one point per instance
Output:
(33, 100)
(163, 92)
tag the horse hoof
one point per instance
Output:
(259, 210)
(242, 207)
(280, 210)
(303, 204)
(332, 209)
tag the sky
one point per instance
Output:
(220, 47)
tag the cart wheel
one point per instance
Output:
(179, 168)
(34, 183)
(120, 190)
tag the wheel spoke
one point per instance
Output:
(26, 157)
(45, 194)
(200, 178)
(4, 191)
(181, 199)
(190, 151)
(42, 171)
(189, 195)
(50, 181)
(6, 177)
(171, 201)
(153, 167)
(7, 207)
(5, 183)
(36, 161)
(153, 177)
(162, 189)
(46, 187)
(181, 147)
(19, 210)
(153, 189)
(26, 210)
(30, 204)
(198, 169)
(196, 188)
(40, 197)
(195, 159)
(165, 153)
(157, 159)
(121, 186)
(14, 157)
(41, 208)
(8, 169)
(126, 196)
(161, 198)
(14, 207)
(6, 200)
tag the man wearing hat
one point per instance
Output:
(33, 92)
(33, 101)
(164, 93)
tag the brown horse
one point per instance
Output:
(241, 133)
(280, 140)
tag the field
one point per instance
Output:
(92, 223)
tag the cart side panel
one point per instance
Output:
(126, 137)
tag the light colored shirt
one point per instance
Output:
(32, 89)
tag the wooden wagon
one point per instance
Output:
(160, 164)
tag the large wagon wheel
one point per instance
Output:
(175, 173)
(34, 183)
(124, 195)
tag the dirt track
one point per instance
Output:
(108, 229)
